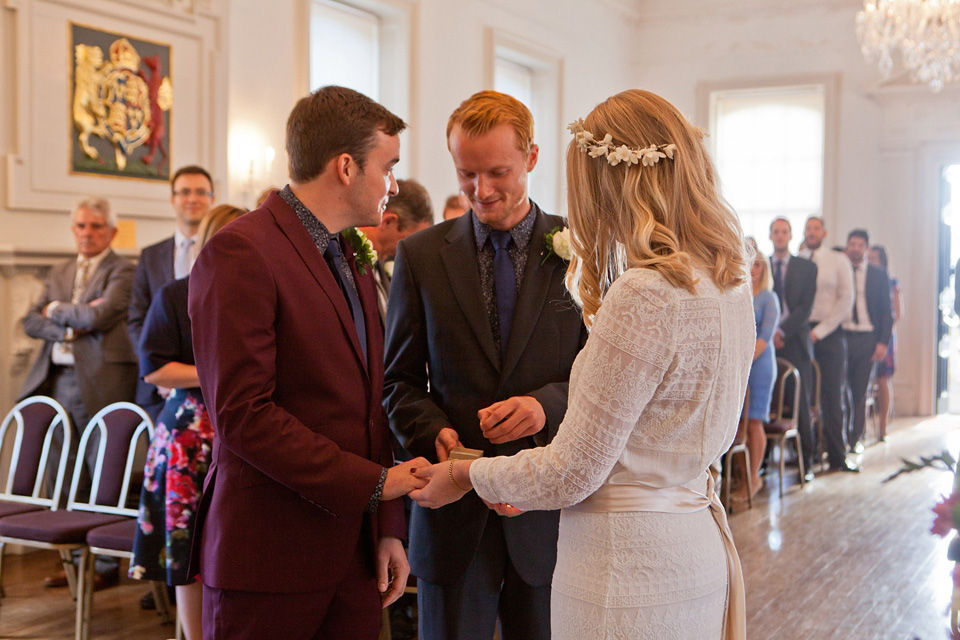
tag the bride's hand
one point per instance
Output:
(446, 482)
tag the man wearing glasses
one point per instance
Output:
(167, 260)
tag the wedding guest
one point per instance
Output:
(179, 453)
(299, 528)
(831, 307)
(660, 272)
(886, 367)
(763, 371)
(479, 321)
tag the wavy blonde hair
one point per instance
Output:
(765, 281)
(215, 219)
(669, 217)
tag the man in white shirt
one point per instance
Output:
(868, 329)
(160, 263)
(831, 306)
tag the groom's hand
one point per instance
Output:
(447, 440)
(512, 419)
(392, 570)
(401, 481)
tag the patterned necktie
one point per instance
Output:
(505, 286)
(856, 316)
(80, 282)
(778, 280)
(181, 268)
(334, 259)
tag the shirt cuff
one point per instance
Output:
(374, 503)
(68, 335)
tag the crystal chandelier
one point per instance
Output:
(925, 32)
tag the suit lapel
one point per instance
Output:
(303, 244)
(459, 256)
(96, 281)
(533, 292)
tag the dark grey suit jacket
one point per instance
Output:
(106, 365)
(154, 270)
(879, 306)
(799, 289)
(443, 366)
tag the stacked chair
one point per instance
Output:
(103, 517)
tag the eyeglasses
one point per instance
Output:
(200, 193)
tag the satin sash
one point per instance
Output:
(614, 498)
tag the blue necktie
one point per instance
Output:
(505, 285)
(335, 261)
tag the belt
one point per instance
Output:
(614, 498)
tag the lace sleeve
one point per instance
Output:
(616, 374)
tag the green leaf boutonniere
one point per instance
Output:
(557, 243)
(363, 250)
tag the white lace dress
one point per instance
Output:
(655, 397)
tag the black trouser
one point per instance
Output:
(796, 351)
(860, 348)
(831, 355)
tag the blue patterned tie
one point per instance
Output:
(334, 260)
(505, 285)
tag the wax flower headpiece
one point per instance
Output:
(649, 156)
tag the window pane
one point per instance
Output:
(514, 80)
(344, 48)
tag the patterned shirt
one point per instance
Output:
(520, 233)
(321, 237)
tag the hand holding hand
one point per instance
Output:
(512, 419)
(392, 570)
(446, 482)
(446, 441)
(401, 479)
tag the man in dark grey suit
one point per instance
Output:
(86, 362)
(795, 283)
(167, 260)
(867, 330)
(481, 335)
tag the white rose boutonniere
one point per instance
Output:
(363, 251)
(557, 243)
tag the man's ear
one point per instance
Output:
(346, 167)
(389, 219)
(532, 158)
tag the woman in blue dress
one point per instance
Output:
(179, 453)
(763, 371)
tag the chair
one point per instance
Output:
(119, 427)
(739, 446)
(816, 414)
(34, 420)
(784, 419)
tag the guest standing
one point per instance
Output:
(886, 367)
(763, 371)
(179, 453)
(659, 270)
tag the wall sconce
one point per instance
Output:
(250, 163)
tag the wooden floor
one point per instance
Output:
(846, 557)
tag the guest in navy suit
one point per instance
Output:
(168, 260)
(300, 525)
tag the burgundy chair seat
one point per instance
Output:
(778, 426)
(54, 527)
(117, 536)
(13, 508)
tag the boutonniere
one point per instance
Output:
(557, 243)
(363, 251)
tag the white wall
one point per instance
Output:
(892, 137)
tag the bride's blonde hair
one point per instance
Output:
(669, 217)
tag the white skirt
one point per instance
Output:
(633, 575)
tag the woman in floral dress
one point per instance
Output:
(179, 453)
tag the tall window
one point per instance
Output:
(769, 150)
(532, 76)
(344, 47)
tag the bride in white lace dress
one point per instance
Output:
(659, 269)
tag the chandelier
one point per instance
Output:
(925, 32)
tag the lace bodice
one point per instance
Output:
(655, 396)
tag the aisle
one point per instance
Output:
(848, 557)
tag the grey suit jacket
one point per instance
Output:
(105, 362)
(443, 366)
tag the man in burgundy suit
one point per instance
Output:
(300, 525)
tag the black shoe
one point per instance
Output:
(846, 467)
(147, 603)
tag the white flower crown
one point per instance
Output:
(648, 156)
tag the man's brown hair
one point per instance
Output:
(330, 121)
(411, 204)
(484, 110)
(191, 170)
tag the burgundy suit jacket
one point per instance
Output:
(301, 436)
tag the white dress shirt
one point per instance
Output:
(863, 314)
(184, 254)
(833, 301)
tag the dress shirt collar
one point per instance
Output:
(94, 261)
(520, 233)
(180, 238)
(317, 230)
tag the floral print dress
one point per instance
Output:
(179, 454)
